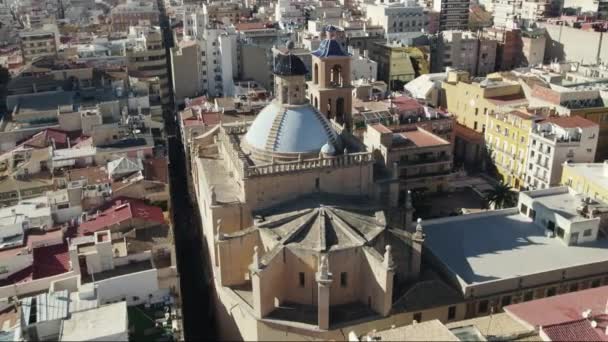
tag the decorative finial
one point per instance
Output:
(419, 231)
(256, 258)
(388, 257)
(324, 267)
(213, 195)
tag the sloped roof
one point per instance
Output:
(330, 48)
(124, 165)
(289, 65)
(120, 210)
(323, 223)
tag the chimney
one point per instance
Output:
(605, 169)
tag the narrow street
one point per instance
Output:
(198, 323)
(195, 292)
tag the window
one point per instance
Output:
(551, 292)
(317, 183)
(301, 279)
(528, 296)
(135, 298)
(482, 307)
(573, 238)
(587, 232)
(343, 279)
(551, 226)
(418, 317)
(524, 209)
(506, 300)
(595, 283)
(451, 313)
(560, 232)
(573, 287)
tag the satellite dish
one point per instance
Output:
(594, 324)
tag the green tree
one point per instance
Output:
(501, 196)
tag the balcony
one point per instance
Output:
(426, 160)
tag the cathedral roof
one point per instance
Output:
(330, 48)
(289, 65)
(323, 223)
(290, 129)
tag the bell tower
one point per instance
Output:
(330, 90)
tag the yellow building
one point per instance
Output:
(507, 137)
(471, 102)
(399, 64)
(590, 179)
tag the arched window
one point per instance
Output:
(284, 95)
(315, 76)
(340, 110)
(329, 108)
(336, 75)
(317, 103)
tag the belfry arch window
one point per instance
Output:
(315, 76)
(336, 75)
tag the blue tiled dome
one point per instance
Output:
(329, 48)
(290, 129)
(288, 65)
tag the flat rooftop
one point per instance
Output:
(421, 138)
(504, 244)
(593, 172)
(560, 201)
(95, 323)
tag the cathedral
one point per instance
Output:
(302, 242)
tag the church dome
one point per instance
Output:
(289, 65)
(296, 129)
(328, 149)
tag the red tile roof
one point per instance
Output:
(119, 211)
(51, 260)
(209, 119)
(381, 128)
(197, 101)
(422, 138)
(570, 121)
(579, 330)
(23, 276)
(564, 308)
(404, 103)
(251, 26)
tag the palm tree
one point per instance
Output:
(501, 196)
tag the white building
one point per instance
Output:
(555, 141)
(514, 13)
(397, 16)
(290, 11)
(598, 6)
(219, 62)
(362, 67)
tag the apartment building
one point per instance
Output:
(186, 63)
(134, 13)
(471, 102)
(507, 140)
(39, 42)
(418, 159)
(453, 14)
(555, 141)
(398, 64)
(225, 11)
(588, 179)
(509, 46)
(147, 60)
(463, 50)
(588, 6)
(397, 16)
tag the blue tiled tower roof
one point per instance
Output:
(329, 48)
